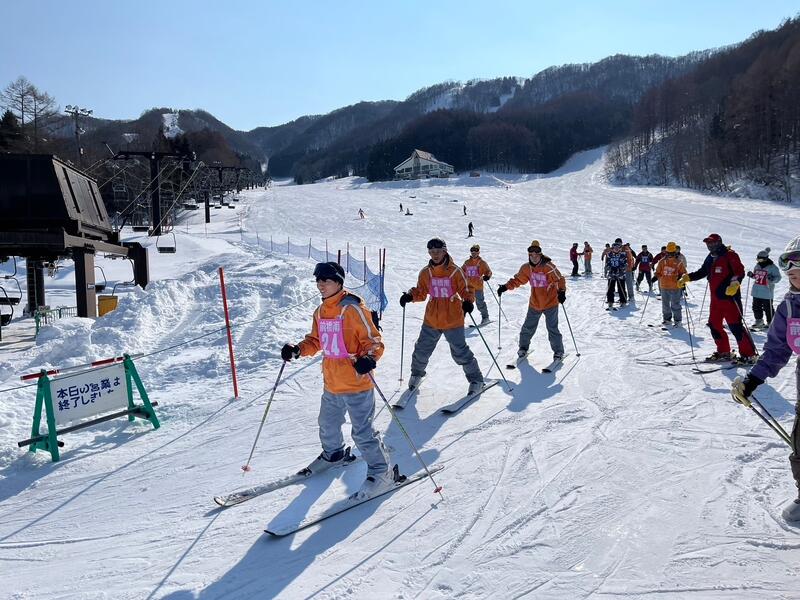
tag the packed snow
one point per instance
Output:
(608, 478)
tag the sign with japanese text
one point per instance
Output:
(89, 393)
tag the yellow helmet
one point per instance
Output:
(672, 247)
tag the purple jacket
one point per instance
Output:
(776, 351)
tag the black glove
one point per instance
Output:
(501, 289)
(751, 382)
(749, 273)
(487, 277)
(289, 351)
(406, 298)
(364, 364)
(467, 306)
(562, 296)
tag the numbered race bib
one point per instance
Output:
(538, 279)
(473, 271)
(761, 277)
(441, 287)
(669, 271)
(793, 334)
(645, 260)
(331, 336)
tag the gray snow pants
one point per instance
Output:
(671, 305)
(361, 408)
(629, 284)
(551, 322)
(426, 343)
(587, 266)
(480, 302)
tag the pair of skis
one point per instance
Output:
(449, 409)
(557, 362)
(336, 508)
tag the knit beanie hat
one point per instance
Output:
(763, 254)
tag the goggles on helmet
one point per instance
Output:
(535, 249)
(789, 260)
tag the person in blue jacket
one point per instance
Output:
(765, 275)
(783, 340)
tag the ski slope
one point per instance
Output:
(607, 478)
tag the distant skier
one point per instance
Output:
(626, 248)
(360, 213)
(603, 256)
(587, 258)
(617, 267)
(401, 207)
(342, 328)
(444, 315)
(548, 290)
(644, 263)
(469, 229)
(477, 271)
(408, 211)
(783, 339)
(573, 257)
(668, 271)
(465, 210)
(765, 275)
(724, 271)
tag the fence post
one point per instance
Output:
(327, 259)
(270, 244)
(288, 245)
(309, 247)
(339, 257)
(365, 264)
(347, 270)
(230, 338)
(383, 276)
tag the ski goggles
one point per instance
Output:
(535, 249)
(474, 249)
(436, 243)
(789, 260)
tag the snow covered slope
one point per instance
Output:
(607, 478)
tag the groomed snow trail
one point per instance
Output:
(605, 479)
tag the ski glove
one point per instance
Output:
(742, 389)
(289, 351)
(732, 288)
(562, 296)
(467, 306)
(501, 289)
(684, 280)
(750, 274)
(406, 298)
(487, 277)
(364, 364)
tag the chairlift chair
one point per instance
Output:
(99, 287)
(5, 318)
(165, 249)
(5, 298)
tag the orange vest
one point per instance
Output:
(543, 297)
(443, 313)
(476, 283)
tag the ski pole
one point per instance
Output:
(779, 428)
(747, 295)
(502, 312)
(702, 303)
(499, 324)
(690, 325)
(774, 425)
(570, 330)
(508, 385)
(402, 342)
(746, 328)
(644, 310)
(246, 467)
(437, 487)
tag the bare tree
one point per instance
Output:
(42, 111)
(18, 97)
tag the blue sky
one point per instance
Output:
(265, 63)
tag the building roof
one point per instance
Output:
(421, 154)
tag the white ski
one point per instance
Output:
(554, 365)
(462, 402)
(346, 504)
(264, 488)
(481, 324)
(519, 361)
(406, 396)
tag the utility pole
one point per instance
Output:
(76, 112)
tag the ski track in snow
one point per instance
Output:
(608, 478)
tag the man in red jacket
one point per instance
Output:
(724, 272)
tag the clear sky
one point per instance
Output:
(253, 63)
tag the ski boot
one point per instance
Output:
(720, 357)
(320, 464)
(475, 387)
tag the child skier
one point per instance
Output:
(603, 256)
(587, 258)
(644, 262)
(765, 275)
(668, 271)
(724, 271)
(573, 257)
(617, 266)
(477, 271)
(548, 289)
(343, 330)
(450, 300)
(783, 340)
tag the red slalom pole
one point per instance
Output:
(228, 328)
